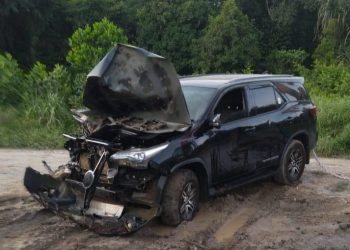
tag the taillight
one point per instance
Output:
(313, 111)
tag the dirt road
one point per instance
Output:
(315, 214)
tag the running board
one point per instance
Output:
(223, 188)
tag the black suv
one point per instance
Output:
(153, 144)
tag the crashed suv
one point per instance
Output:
(153, 144)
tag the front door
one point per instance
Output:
(230, 142)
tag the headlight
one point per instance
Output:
(137, 157)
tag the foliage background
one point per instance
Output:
(48, 47)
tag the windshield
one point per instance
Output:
(197, 99)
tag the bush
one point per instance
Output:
(42, 112)
(333, 125)
(11, 81)
(17, 131)
(286, 61)
(328, 79)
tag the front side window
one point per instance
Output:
(231, 106)
(266, 99)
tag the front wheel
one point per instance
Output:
(180, 198)
(292, 163)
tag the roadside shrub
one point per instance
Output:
(328, 79)
(17, 131)
(286, 61)
(333, 125)
(46, 99)
(11, 81)
(42, 114)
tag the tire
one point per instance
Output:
(180, 198)
(292, 164)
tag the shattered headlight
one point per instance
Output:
(137, 157)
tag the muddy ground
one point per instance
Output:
(314, 214)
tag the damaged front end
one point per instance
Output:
(112, 184)
(100, 187)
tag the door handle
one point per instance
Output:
(250, 129)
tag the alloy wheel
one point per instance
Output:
(295, 163)
(188, 201)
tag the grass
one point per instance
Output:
(19, 131)
(333, 124)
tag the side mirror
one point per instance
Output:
(216, 122)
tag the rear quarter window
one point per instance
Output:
(294, 91)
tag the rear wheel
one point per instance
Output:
(292, 163)
(180, 198)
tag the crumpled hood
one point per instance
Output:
(133, 82)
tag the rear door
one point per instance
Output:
(264, 118)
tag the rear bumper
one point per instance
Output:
(63, 198)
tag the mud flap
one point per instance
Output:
(57, 196)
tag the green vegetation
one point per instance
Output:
(333, 125)
(48, 47)
(34, 110)
(90, 44)
(223, 47)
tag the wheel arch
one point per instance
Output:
(198, 167)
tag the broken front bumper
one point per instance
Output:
(64, 199)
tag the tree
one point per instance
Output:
(326, 51)
(338, 10)
(83, 12)
(284, 24)
(334, 32)
(170, 28)
(34, 30)
(89, 45)
(230, 42)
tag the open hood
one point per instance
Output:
(132, 82)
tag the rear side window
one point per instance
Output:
(266, 99)
(294, 91)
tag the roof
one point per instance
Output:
(219, 80)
